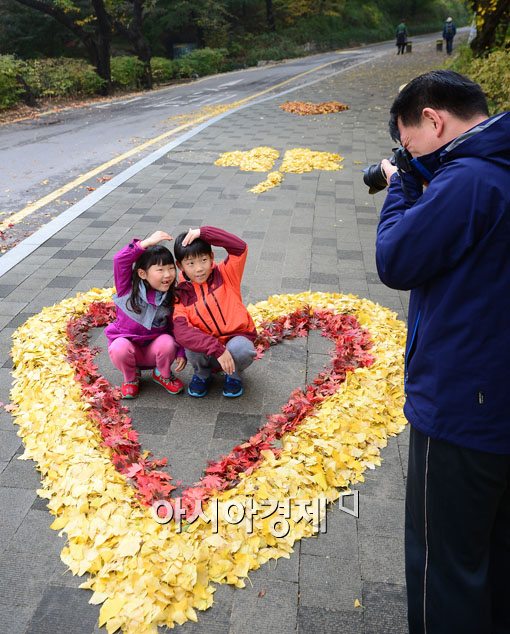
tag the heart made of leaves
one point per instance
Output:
(145, 573)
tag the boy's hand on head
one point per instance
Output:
(192, 234)
(180, 364)
(155, 238)
(227, 362)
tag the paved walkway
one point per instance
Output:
(315, 232)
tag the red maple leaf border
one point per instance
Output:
(351, 350)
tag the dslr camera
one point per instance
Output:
(374, 177)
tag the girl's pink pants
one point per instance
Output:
(127, 356)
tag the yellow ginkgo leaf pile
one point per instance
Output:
(259, 159)
(273, 180)
(262, 159)
(302, 160)
(147, 574)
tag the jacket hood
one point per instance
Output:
(489, 138)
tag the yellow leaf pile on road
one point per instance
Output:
(310, 108)
(259, 159)
(205, 112)
(296, 161)
(302, 160)
(273, 180)
(146, 574)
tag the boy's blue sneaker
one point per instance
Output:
(232, 388)
(198, 387)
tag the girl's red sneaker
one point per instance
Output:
(172, 385)
(130, 389)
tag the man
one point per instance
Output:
(450, 245)
(401, 35)
(449, 31)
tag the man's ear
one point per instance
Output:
(179, 265)
(142, 274)
(435, 119)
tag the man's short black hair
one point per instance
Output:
(197, 247)
(441, 90)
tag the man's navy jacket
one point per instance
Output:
(451, 248)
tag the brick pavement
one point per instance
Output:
(314, 232)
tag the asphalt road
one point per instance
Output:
(41, 155)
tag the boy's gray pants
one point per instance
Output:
(242, 350)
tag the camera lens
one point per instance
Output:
(374, 178)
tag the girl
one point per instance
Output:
(141, 336)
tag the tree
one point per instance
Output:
(492, 22)
(128, 22)
(92, 25)
(271, 24)
(28, 34)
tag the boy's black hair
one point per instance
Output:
(441, 90)
(197, 247)
(155, 255)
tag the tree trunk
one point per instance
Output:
(96, 44)
(142, 47)
(270, 16)
(486, 37)
(103, 44)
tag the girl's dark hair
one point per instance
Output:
(441, 90)
(197, 247)
(156, 255)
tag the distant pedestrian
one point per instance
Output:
(401, 34)
(449, 31)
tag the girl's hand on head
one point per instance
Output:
(192, 234)
(155, 238)
(180, 364)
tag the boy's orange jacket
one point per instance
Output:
(207, 315)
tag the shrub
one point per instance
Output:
(163, 69)
(61, 77)
(10, 88)
(127, 71)
(491, 72)
(202, 61)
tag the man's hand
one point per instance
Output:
(388, 169)
(180, 364)
(192, 234)
(227, 362)
(155, 238)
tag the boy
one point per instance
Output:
(210, 319)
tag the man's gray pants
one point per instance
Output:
(242, 350)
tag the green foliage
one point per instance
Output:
(203, 61)
(61, 77)
(163, 69)
(10, 88)
(127, 71)
(29, 34)
(269, 46)
(491, 72)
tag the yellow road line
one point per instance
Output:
(34, 206)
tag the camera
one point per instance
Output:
(374, 177)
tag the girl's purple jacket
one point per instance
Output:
(124, 326)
